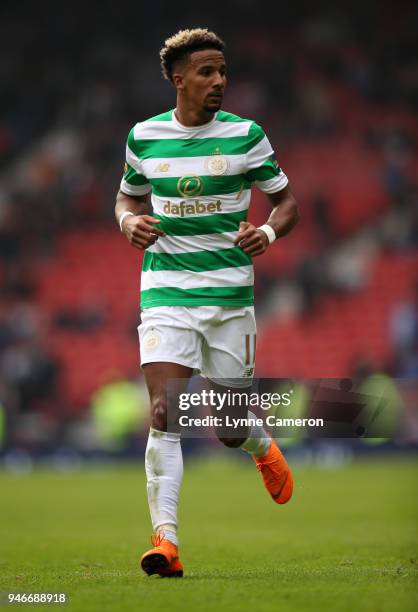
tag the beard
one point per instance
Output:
(213, 106)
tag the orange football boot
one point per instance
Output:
(276, 474)
(163, 559)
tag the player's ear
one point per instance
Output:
(178, 80)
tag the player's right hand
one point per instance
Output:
(139, 231)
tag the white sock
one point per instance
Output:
(164, 470)
(258, 442)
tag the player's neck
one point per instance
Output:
(191, 117)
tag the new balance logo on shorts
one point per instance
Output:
(248, 372)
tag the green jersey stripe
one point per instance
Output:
(209, 224)
(131, 176)
(267, 171)
(202, 296)
(199, 261)
(255, 135)
(192, 147)
(201, 186)
(224, 116)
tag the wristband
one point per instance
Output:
(122, 217)
(269, 232)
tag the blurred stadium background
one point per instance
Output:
(336, 89)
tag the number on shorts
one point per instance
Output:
(250, 344)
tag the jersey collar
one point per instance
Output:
(192, 128)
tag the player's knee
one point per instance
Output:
(232, 442)
(159, 415)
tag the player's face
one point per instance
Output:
(204, 80)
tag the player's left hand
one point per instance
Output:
(252, 240)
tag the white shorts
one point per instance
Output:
(219, 342)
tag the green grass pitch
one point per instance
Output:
(346, 541)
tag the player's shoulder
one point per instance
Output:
(252, 129)
(147, 127)
(226, 117)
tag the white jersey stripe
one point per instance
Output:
(134, 190)
(192, 244)
(185, 279)
(272, 185)
(232, 202)
(133, 160)
(186, 166)
(161, 130)
(259, 153)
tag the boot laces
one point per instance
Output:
(272, 466)
(157, 538)
(261, 466)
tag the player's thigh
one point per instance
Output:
(168, 334)
(170, 351)
(229, 349)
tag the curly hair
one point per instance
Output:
(178, 46)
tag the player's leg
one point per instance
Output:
(164, 471)
(228, 361)
(163, 456)
(253, 436)
(169, 353)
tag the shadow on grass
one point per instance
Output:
(238, 574)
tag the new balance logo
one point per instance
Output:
(248, 372)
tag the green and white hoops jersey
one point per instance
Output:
(200, 182)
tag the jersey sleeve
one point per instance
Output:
(262, 165)
(133, 181)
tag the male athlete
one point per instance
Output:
(198, 162)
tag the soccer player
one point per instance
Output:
(198, 162)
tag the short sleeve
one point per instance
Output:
(133, 181)
(262, 165)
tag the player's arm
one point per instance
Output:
(136, 223)
(132, 201)
(285, 213)
(283, 218)
(265, 172)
